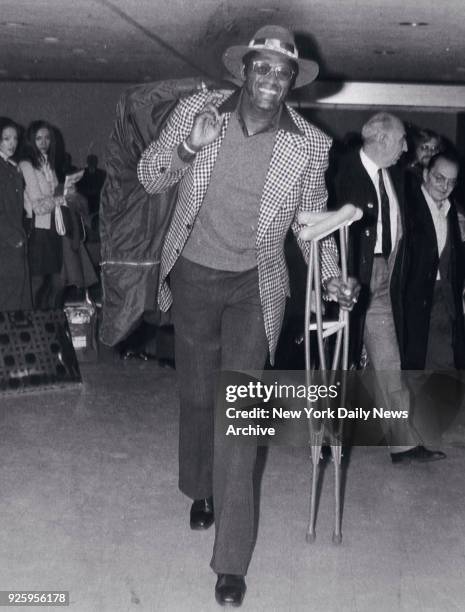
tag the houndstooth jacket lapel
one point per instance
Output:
(287, 164)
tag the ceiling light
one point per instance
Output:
(79, 51)
(13, 24)
(384, 52)
(51, 40)
(414, 24)
(101, 60)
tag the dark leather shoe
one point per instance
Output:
(202, 513)
(230, 590)
(419, 453)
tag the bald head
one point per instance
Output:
(383, 138)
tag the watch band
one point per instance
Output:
(189, 149)
(185, 153)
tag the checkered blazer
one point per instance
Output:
(294, 182)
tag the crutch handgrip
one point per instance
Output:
(319, 225)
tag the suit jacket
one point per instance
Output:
(294, 183)
(13, 262)
(11, 219)
(423, 262)
(354, 185)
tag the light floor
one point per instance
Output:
(89, 504)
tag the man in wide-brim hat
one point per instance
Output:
(246, 165)
(273, 39)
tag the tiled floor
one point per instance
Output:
(89, 504)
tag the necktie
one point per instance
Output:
(386, 244)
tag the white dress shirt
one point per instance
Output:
(372, 170)
(439, 213)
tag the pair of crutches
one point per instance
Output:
(326, 431)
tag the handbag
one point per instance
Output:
(63, 224)
(69, 223)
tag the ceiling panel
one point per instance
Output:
(137, 40)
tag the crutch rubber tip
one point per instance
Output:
(337, 538)
(310, 537)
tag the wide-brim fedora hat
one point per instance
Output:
(271, 38)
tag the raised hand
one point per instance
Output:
(207, 125)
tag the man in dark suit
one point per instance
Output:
(369, 179)
(434, 325)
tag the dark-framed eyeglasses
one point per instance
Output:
(282, 72)
(442, 180)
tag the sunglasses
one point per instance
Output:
(282, 72)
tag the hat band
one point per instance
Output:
(274, 44)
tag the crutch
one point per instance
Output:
(318, 226)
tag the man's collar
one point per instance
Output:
(285, 121)
(370, 166)
(229, 105)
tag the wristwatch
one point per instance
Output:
(185, 153)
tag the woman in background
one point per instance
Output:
(423, 143)
(15, 293)
(40, 199)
